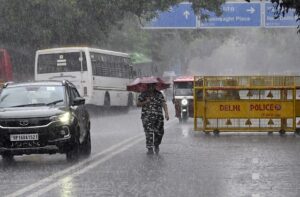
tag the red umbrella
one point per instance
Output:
(141, 84)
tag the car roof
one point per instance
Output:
(38, 83)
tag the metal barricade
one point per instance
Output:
(247, 103)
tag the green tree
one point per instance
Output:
(28, 25)
(33, 24)
(43, 23)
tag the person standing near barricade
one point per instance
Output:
(153, 103)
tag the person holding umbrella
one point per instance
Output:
(152, 102)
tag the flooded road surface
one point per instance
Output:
(189, 164)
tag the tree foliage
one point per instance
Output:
(43, 23)
(26, 26)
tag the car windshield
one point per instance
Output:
(35, 95)
(183, 89)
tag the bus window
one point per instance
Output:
(110, 66)
(61, 62)
(99, 64)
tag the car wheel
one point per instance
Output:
(7, 157)
(73, 153)
(86, 145)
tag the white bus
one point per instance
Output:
(100, 75)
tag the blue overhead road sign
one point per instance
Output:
(234, 15)
(289, 20)
(179, 16)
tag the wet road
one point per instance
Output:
(189, 164)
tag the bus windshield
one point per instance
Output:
(61, 62)
(183, 88)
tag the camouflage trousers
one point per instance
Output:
(154, 130)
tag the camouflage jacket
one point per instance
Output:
(154, 108)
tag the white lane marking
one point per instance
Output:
(255, 195)
(83, 170)
(82, 163)
(67, 170)
(255, 176)
(255, 160)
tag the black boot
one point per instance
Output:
(150, 151)
(156, 149)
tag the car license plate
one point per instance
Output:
(24, 137)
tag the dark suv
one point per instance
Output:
(43, 117)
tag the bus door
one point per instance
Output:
(83, 75)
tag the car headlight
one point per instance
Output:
(184, 102)
(63, 118)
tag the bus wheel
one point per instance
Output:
(130, 100)
(106, 102)
(270, 132)
(297, 131)
(129, 103)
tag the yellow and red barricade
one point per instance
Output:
(247, 103)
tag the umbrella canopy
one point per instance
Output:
(141, 84)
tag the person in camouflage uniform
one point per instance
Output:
(152, 103)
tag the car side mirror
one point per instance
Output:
(79, 101)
